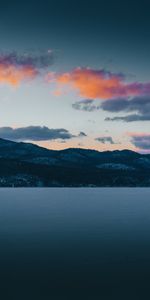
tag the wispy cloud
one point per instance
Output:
(36, 60)
(139, 105)
(82, 134)
(137, 108)
(15, 68)
(140, 140)
(130, 118)
(99, 84)
(105, 139)
(13, 75)
(86, 105)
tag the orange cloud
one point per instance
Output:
(17, 67)
(99, 84)
(13, 75)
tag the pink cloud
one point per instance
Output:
(99, 84)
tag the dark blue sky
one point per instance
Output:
(113, 33)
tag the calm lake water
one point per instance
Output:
(75, 243)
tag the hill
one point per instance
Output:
(28, 165)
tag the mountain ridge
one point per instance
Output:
(28, 165)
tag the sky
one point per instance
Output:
(76, 74)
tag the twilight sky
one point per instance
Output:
(76, 74)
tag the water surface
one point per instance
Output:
(75, 243)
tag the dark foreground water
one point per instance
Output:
(75, 244)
